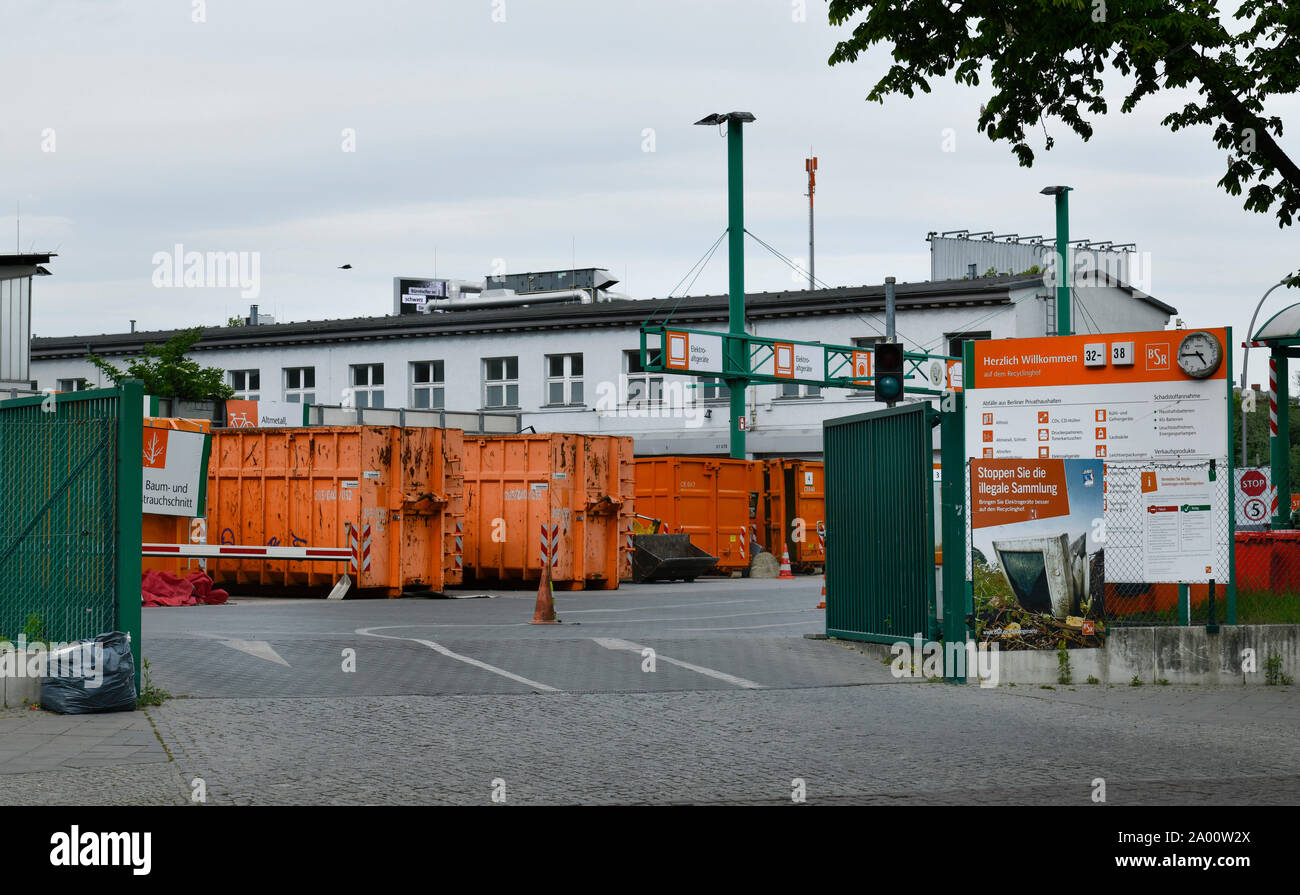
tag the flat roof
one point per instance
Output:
(687, 310)
(26, 260)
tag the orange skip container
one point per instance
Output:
(516, 484)
(161, 529)
(794, 504)
(714, 500)
(302, 487)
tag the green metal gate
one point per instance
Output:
(70, 506)
(880, 570)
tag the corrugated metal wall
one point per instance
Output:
(15, 327)
(950, 257)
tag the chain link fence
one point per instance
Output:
(1266, 564)
(1152, 539)
(59, 557)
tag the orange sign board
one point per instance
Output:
(783, 360)
(1059, 360)
(155, 449)
(678, 355)
(1007, 491)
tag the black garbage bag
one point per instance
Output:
(90, 676)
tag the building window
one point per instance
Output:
(711, 389)
(427, 384)
(500, 382)
(642, 388)
(367, 385)
(956, 340)
(796, 390)
(563, 379)
(72, 385)
(300, 385)
(247, 384)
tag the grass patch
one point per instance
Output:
(1273, 673)
(149, 694)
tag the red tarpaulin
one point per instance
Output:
(161, 588)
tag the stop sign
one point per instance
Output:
(1253, 483)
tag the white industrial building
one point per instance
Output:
(16, 273)
(567, 359)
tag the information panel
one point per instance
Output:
(790, 360)
(1040, 398)
(174, 472)
(693, 352)
(1152, 407)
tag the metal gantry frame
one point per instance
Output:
(756, 350)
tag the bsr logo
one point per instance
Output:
(1158, 356)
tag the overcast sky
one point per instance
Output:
(525, 140)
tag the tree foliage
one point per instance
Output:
(1049, 59)
(1257, 435)
(168, 373)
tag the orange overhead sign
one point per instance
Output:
(1093, 359)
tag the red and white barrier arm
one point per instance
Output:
(235, 551)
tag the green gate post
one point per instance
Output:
(1065, 276)
(952, 490)
(1230, 588)
(130, 487)
(1184, 605)
(1279, 444)
(739, 350)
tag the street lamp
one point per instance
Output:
(1062, 194)
(738, 361)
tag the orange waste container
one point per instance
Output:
(712, 499)
(161, 529)
(1254, 560)
(794, 501)
(399, 488)
(516, 484)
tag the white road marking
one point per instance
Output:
(742, 628)
(259, 648)
(656, 606)
(697, 618)
(439, 648)
(615, 643)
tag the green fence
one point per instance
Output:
(70, 485)
(880, 570)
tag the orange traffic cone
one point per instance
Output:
(544, 613)
(822, 604)
(785, 564)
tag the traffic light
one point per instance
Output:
(888, 372)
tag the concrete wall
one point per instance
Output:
(15, 691)
(1178, 655)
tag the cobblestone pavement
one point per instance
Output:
(734, 712)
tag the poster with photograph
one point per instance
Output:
(1037, 553)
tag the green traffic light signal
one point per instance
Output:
(888, 372)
